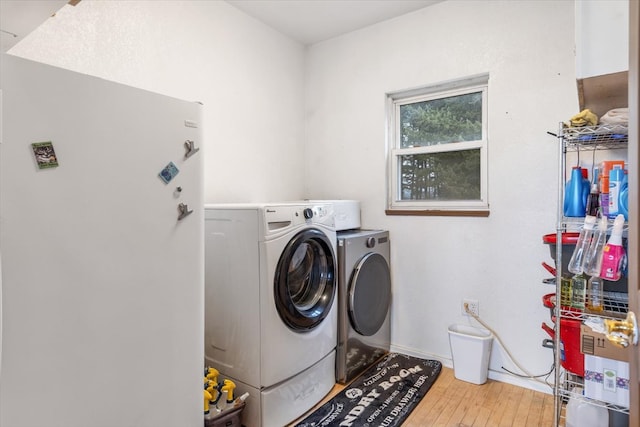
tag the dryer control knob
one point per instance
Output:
(308, 213)
(371, 242)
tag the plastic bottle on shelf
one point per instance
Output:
(623, 202)
(616, 179)
(604, 170)
(604, 195)
(575, 195)
(583, 412)
(595, 294)
(226, 397)
(566, 293)
(584, 240)
(586, 184)
(593, 201)
(592, 259)
(614, 257)
(578, 291)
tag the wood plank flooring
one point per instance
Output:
(454, 403)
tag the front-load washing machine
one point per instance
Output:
(270, 315)
(364, 301)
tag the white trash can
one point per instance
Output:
(471, 351)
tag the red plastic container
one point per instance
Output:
(570, 356)
(569, 240)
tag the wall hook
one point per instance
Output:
(184, 211)
(191, 148)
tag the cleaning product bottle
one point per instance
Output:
(616, 178)
(230, 386)
(212, 389)
(593, 201)
(604, 195)
(582, 412)
(605, 168)
(566, 293)
(240, 400)
(207, 407)
(212, 374)
(575, 197)
(586, 185)
(578, 291)
(623, 202)
(614, 257)
(212, 386)
(592, 259)
(584, 240)
(595, 294)
(226, 395)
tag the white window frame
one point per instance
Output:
(394, 101)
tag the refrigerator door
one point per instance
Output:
(102, 284)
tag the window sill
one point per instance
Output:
(436, 212)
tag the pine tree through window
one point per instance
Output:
(438, 148)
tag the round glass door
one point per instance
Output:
(369, 294)
(304, 282)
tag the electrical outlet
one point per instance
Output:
(472, 305)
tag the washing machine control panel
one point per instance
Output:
(279, 218)
(320, 214)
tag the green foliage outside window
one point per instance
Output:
(453, 175)
(447, 175)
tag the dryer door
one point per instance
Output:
(305, 280)
(369, 294)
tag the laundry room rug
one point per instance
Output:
(384, 395)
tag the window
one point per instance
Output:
(437, 139)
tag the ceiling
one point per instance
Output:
(312, 21)
(307, 21)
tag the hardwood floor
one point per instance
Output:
(454, 403)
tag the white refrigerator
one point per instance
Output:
(101, 246)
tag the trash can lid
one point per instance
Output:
(468, 330)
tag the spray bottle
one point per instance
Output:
(614, 257)
(592, 259)
(212, 389)
(207, 407)
(226, 395)
(212, 374)
(584, 240)
(212, 377)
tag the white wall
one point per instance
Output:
(248, 76)
(527, 47)
(261, 103)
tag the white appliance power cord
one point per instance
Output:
(528, 374)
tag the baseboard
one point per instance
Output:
(501, 376)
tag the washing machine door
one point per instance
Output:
(305, 280)
(369, 294)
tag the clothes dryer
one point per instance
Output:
(270, 316)
(364, 301)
